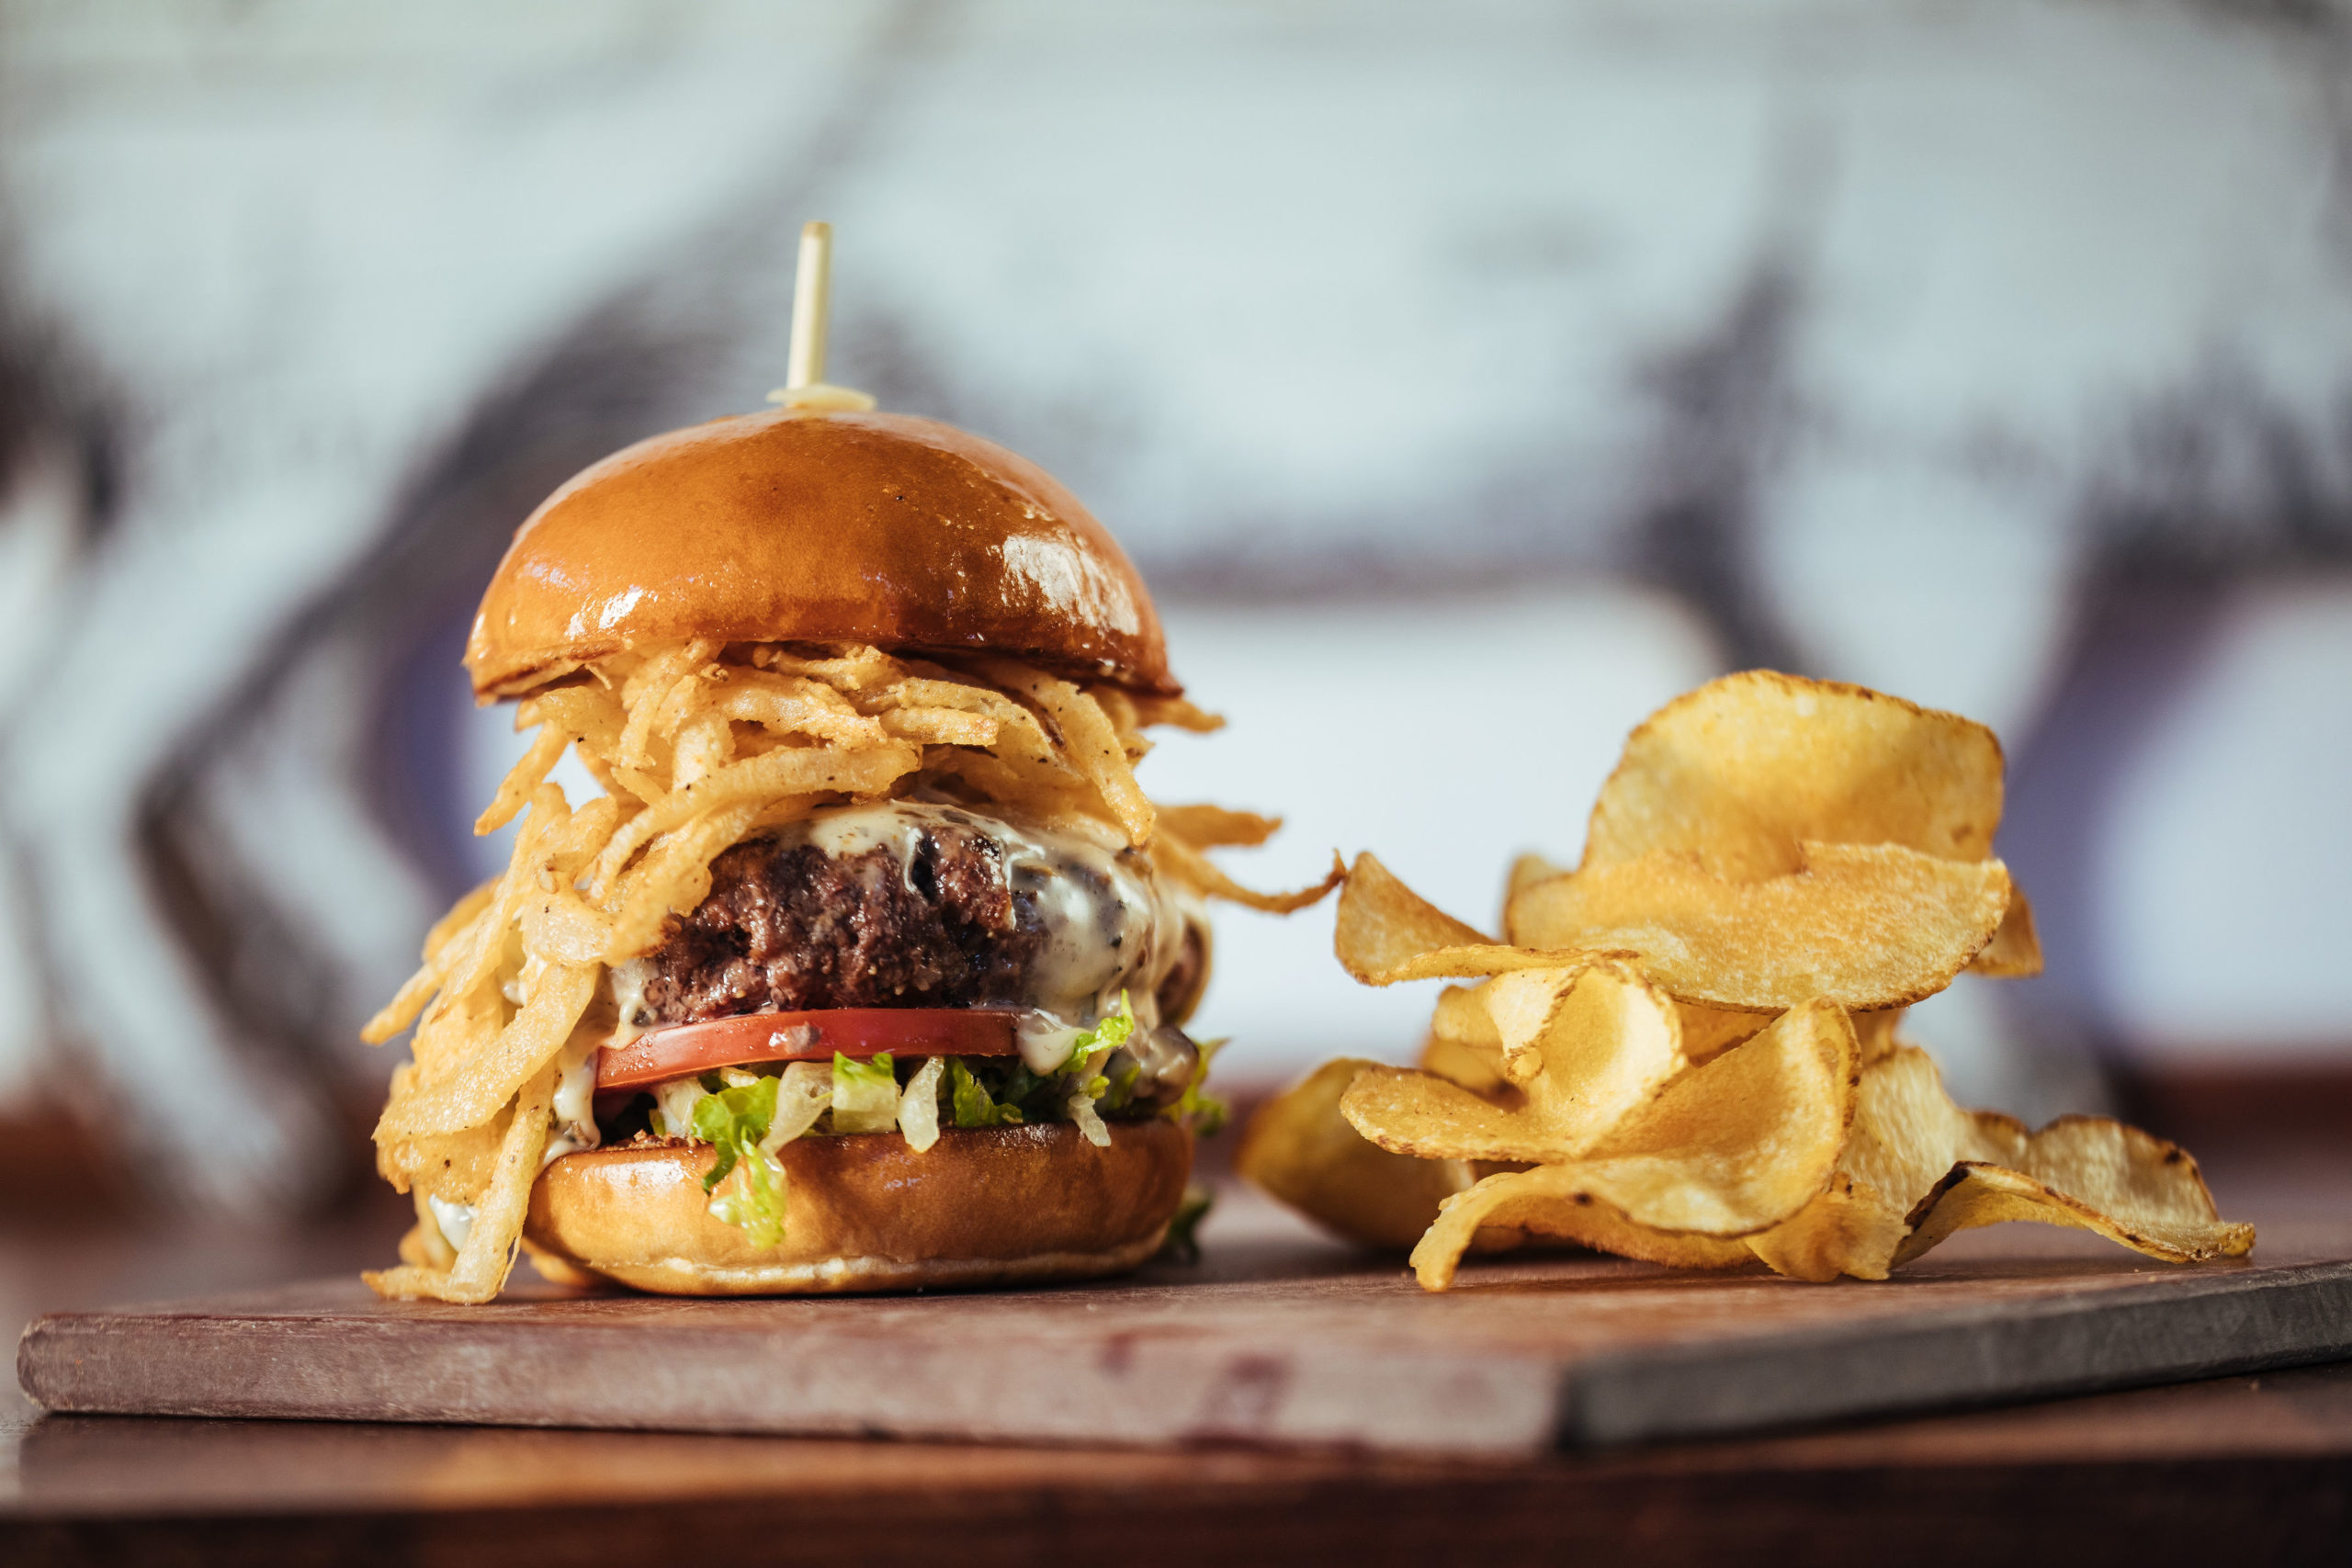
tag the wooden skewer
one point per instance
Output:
(813, 301)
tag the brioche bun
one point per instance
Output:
(1006, 1205)
(816, 526)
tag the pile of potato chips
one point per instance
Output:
(1686, 1050)
(697, 747)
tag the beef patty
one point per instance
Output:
(789, 927)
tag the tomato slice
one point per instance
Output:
(683, 1048)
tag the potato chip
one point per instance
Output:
(1747, 768)
(1707, 1032)
(2015, 951)
(1383, 923)
(1904, 1186)
(1388, 934)
(1868, 926)
(1418, 1113)
(2147, 1192)
(1472, 1057)
(1906, 1137)
(1730, 1149)
(2177, 1225)
(1850, 1228)
(1535, 1213)
(1526, 872)
(1299, 1150)
(1583, 1048)
(1876, 1031)
(1462, 1017)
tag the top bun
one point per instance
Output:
(809, 527)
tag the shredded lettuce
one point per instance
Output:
(975, 1107)
(803, 1094)
(1105, 1037)
(919, 1106)
(1200, 1109)
(1080, 1108)
(865, 1095)
(734, 1120)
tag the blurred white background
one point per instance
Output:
(1467, 380)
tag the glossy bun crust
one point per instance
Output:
(1008, 1205)
(803, 526)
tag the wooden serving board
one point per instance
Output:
(1273, 1340)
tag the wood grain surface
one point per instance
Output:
(2243, 1470)
(1274, 1342)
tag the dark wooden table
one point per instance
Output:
(2239, 1470)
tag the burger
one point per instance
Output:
(868, 967)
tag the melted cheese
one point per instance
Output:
(1109, 922)
(626, 982)
(574, 1112)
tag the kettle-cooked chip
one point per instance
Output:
(2180, 1225)
(1748, 768)
(1386, 933)
(1299, 1150)
(1906, 1137)
(1474, 1063)
(1427, 1117)
(1382, 923)
(1729, 1149)
(1586, 1048)
(1901, 1187)
(1536, 1212)
(1709, 1032)
(1462, 1017)
(2015, 951)
(1871, 926)
(1526, 872)
(1876, 1031)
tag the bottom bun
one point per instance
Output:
(1007, 1205)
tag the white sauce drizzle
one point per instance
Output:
(456, 1220)
(574, 1109)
